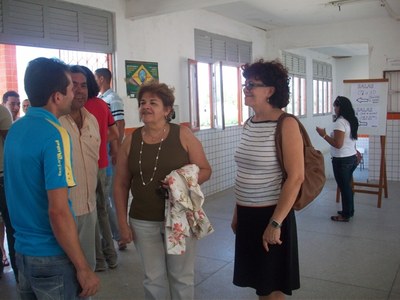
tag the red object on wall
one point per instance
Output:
(8, 69)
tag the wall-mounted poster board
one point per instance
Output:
(137, 73)
(369, 99)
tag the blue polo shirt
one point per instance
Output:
(37, 158)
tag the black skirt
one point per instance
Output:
(276, 270)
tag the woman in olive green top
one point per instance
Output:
(145, 158)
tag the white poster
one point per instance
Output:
(369, 99)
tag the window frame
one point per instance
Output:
(322, 88)
(217, 51)
(296, 66)
(217, 102)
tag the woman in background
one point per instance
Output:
(266, 251)
(343, 151)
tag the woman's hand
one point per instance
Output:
(271, 236)
(234, 221)
(321, 131)
(126, 234)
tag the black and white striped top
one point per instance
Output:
(259, 176)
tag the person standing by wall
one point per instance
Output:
(36, 185)
(5, 223)
(83, 129)
(266, 251)
(343, 151)
(103, 78)
(25, 105)
(12, 102)
(105, 251)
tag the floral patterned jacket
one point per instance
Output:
(184, 215)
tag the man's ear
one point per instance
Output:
(56, 97)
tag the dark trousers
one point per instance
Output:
(9, 229)
(343, 168)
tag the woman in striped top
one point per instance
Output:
(266, 251)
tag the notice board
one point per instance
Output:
(369, 99)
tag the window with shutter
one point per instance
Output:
(322, 88)
(215, 81)
(296, 66)
(56, 24)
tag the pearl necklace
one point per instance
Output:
(156, 162)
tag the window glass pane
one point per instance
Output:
(303, 96)
(245, 109)
(329, 96)
(315, 96)
(296, 95)
(204, 91)
(289, 108)
(193, 95)
(217, 97)
(230, 92)
(25, 54)
(325, 97)
(320, 97)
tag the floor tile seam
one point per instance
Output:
(212, 274)
(348, 236)
(216, 259)
(394, 281)
(346, 284)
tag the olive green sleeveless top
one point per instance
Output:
(148, 203)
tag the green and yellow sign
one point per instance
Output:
(138, 72)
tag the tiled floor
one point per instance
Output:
(355, 260)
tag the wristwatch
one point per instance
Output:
(275, 224)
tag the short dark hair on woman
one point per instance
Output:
(44, 77)
(271, 73)
(161, 90)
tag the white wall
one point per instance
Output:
(356, 67)
(169, 40)
(381, 35)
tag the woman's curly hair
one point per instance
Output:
(271, 73)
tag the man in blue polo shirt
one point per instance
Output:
(49, 257)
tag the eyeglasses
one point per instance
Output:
(250, 85)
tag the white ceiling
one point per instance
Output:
(270, 14)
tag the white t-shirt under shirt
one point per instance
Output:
(349, 145)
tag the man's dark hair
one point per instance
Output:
(106, 73)
(93, 88)
(77, 69)
(43, 78)
(9, 94)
